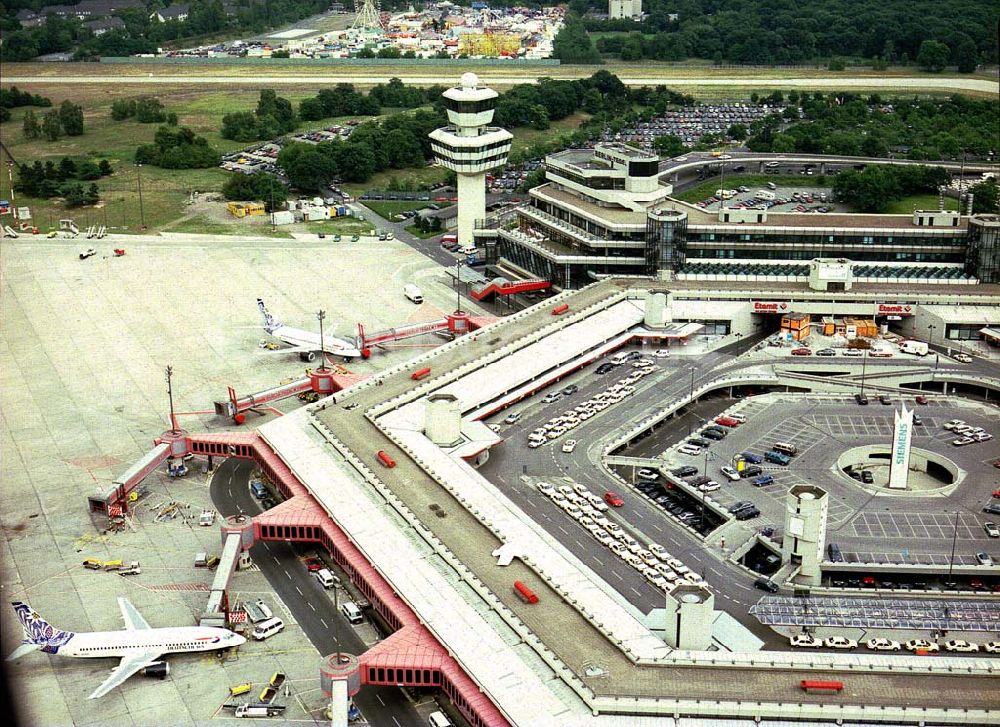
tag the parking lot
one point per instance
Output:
(805, 198)
(870, 526)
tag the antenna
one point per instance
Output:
(321, 314)
(170, 396)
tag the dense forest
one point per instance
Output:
(788, 32)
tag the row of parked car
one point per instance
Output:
(652, 560)
(884, 644)
(674, 503)
(568, 420)
(967, 434)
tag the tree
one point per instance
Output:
(737, 132)
(105, 167)
(87, 171)
(311, 170)
(356, 162)
(71, 118)
(966, 55)
(259, 187)
(67, 168)
(933, 56)
(51, 126)
(403, 150)
(985, 197)
(572, 44)
(31, 128)
(669, 145)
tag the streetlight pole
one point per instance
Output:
(864, 365)
(954, 538)
(170, 397)
(138, 177)
(458, 286)
(691, 398)
(321, 314)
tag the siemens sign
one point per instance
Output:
(902, 443)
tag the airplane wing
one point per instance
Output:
(129, 665)
(133, 619)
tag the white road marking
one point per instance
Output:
(325, 624)
(379, 698)
(615, 574)
(288, 576)
(311, 606)
(564, 530)
(299, 590)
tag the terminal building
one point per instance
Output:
(607, 211)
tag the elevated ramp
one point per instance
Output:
(502, 286)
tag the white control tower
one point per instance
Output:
(470, 147)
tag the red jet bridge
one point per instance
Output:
(502, 286)
(455, 324)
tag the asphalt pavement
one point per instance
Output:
(310, 605)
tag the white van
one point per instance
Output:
(266, 629)
(413, 293)
(467, 250)
(439, 719)
(618, 359)
(351, 612)
(325, 578)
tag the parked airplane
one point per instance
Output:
(306, 343)
(139, 646)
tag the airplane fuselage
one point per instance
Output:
(106, 644)
(304, 339)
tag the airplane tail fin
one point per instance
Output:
(270, 323)
(39, 634)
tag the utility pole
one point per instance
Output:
(138, 177)
(170, 397)
(321, 314)
(458, 286)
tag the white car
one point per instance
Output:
(981, 436)
(882, 645)
(852, 352)
(581, 490)
(962, 357)
(962, 441)
(556, 432)
(566, 490)
(617, 548)
(678, 566)
(689, 449)
(557, 497)
(643, 363)
(602, 537)
(840, 642)
(730, 472)
(661, 353)
(648, 474)
(807, 640)
(585, 415)
(666, 571)
(549, 398)
(545, 488)
(632, 559)
(512, 418)
(959, 645)
(659, 551)
(613, 528)
(596, 502)
(634, 546)
(536, 443)
(920, 644)
(741, 418)
(952, 423)
(648, 558)
(710, 486)
(588, 521)
(992, 647)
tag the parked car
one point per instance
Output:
(604, 368)
(984, 559)
(880, 644)
(920, 645)
(801, 352)
(861, 399)
(806, 640)
(992, 530)
(766, 584)
(685, 471)
(840, 642)
(730, 472)
(961, 646)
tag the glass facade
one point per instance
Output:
(983, 253)
(591, 182)
(644, 169)
(666, 236)
(469, 107)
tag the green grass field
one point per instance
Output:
(907, 205)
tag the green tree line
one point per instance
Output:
(786, 32)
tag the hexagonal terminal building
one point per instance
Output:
(470, 147)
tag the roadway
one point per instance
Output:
(508, 465)
(498, 78)
(310, 605)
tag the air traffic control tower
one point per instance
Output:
(470, 147)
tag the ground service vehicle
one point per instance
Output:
(814, 685)
(917, 348)
(258, 710)
(413, 293)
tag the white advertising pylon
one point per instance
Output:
(899, 461)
